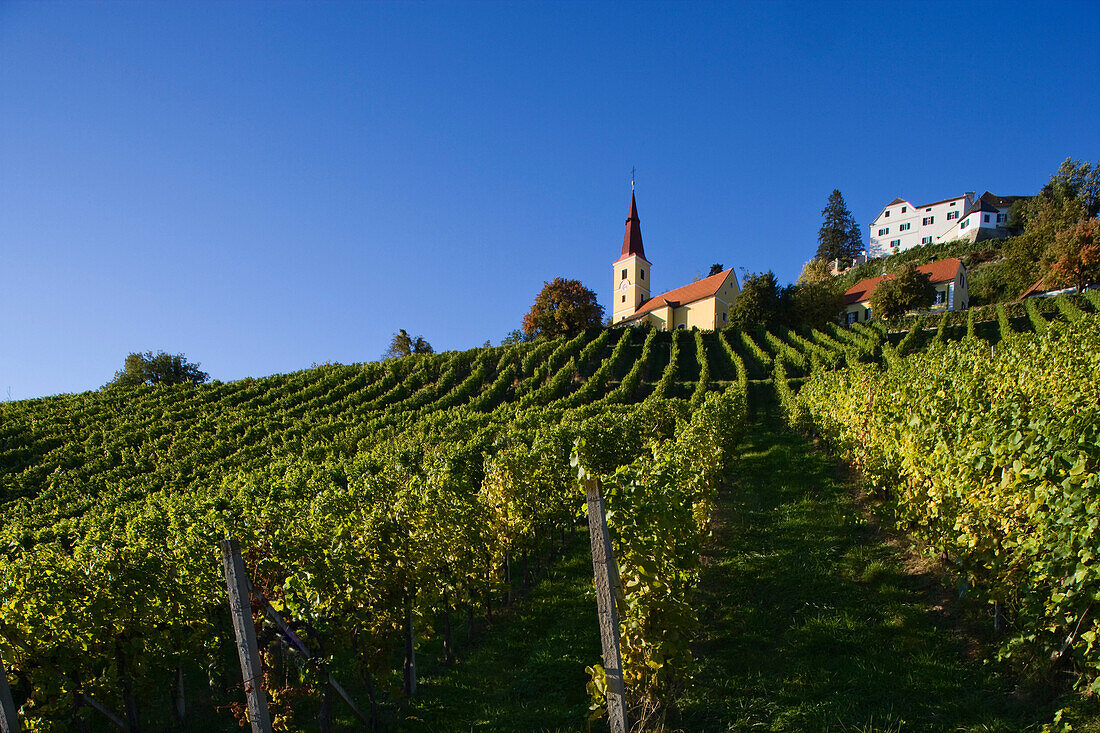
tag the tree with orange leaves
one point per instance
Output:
(1073, 258)
(561, 308)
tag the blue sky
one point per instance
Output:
(262, 186)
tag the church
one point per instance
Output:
(704, 304)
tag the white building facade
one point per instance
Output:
(900, 225)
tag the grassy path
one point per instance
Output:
(812, 622)
(527, 672)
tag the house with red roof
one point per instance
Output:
(948, 278)
(703, 304)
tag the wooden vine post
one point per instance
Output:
(241, 610)
(9, 721)
(607, 583)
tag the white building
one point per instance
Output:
(901, 225)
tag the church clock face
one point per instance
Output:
(624, 285)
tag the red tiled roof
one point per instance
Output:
(632, 238)
(697, 290)
(897, 201)
(862, 290)
(940, 271)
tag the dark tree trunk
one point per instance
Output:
(508, 578)
(448, 645)
(324, 716)
(368, 683)
(79, 722)
(410, 647)
(128, 701)
(179, 702)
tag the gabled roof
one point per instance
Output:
(940, 271)
(632, 238)
(862, 290)
(980, 205)
(1001, 202)
(897, 201)
(698, 290)
(942, 201)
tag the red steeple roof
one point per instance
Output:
(632, 239)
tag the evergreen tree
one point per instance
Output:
(839, 236)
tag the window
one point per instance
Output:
(887, 212)
(903, 209)
(723, 317)
(928, 220)
(882, 231)
(624, 274)
(928, 209)
(680, 327)
(952, 214)
(1002, 218)
(987, 218)
(939, 297)
(926, 240)
(895, 242)
(624, 298)
(852, 315)
(642, 273)
(952, 203)
(904, 227)
(965, 224)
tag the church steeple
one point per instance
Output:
(631, 270)
(632, 238)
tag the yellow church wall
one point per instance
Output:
(631, 282)
(660, 318)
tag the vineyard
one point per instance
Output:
(382, 509)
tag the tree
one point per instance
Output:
(159, 368)
(403, 345)
(1074, 256)
(761, 302)
(1071, 195)
(715, 269)
(515, 337)
(563, 307)
(815, 304)
(839, 236)
(815, 271)
(909, 289)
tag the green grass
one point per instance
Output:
(812, 624)
(527, 672)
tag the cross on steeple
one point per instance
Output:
(632, 170)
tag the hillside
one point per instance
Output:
(383, 505)
(991, 277)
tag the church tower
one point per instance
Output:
(631, 271)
